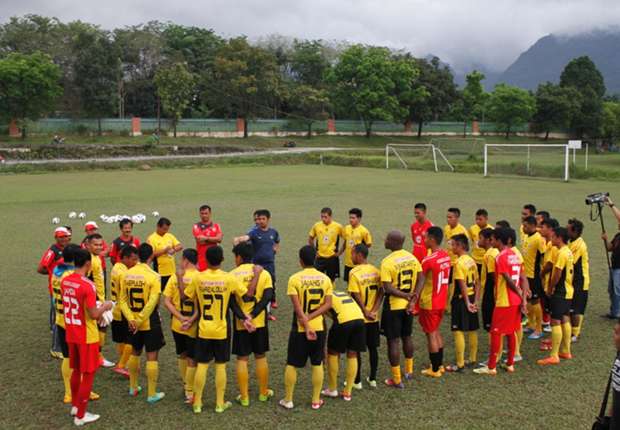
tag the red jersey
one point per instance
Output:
(117, 246)
(50, 259)
(209, 230)
(434, 295)
(78, 294)
(418, 233)
(509, 263)
(104, 248)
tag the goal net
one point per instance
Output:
(460, 148)
(421, 156)
(547, 160)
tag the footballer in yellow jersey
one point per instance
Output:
(165, 245)
(310, 292)
(528, 210)
(533, 247)
(452, 228)
(365, 288)
(482, 222)
(399, 273)
(325, 236)
(353, 234)
(487, 277)
(581, 275)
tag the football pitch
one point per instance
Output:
(564, 396)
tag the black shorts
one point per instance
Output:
(300, 349)
(536, 287)
(373, 336)
(580, 301)
(184, 344)
(151, 340)
(120, 331)
(396, 324)
(62, 341)
(330, 266)
(559, 307)
(479, 267)
(209, 349)
(345, 275)
(164, 281)
(245, 343)
(350, 336)
(461, 318)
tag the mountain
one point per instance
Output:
(545, 59)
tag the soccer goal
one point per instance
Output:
(416, 154)
(459, 147)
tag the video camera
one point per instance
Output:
(595, 198)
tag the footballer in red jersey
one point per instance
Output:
(207, 234)
(125, 239)
(418, 231)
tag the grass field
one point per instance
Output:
(567, 396)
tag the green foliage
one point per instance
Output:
(309, 105)
(508, 106)
(309, 65)
(555, 107)
(610, 122)
(175, 87)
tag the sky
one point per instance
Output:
(464, 33)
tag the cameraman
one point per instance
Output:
(614, 275)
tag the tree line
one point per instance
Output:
(77, 69)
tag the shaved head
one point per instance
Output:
(394, 240)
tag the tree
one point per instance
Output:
(555, 106)
(29, 87)
(610, 121)
(365, 81)
(473, 99)
(509, 106)
(175, 87)
(308, 105)
(309, 65)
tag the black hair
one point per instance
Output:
(327, 211)
(503, 223)
(360, 248)
(561, 232)
(482, 212)
(204, 207)
(576, 225)
(262, 212)
(462, 239)
(436, 233)
(356, 211)
(307, 255)
(530, 208)
(420, 206)
(163, 221)
(144, 252)
(93, 236)
(544, 214)
(552, 223)
(512, 235)
(455, 211)
(68, 254)
(191, 255)
(80, 258)
(486, 233)
(122, 223)
(530, 220)
(215, 256)
(128, 251)
(502, 234)
(245, 250)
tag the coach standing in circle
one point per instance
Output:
(614, 274)
(207, 234)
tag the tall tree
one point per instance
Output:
(175, 87)
(555, 106)
(29, 87)
(309, 65)
(308, 105)
(473, 98)
(509, 106)
(610, 121)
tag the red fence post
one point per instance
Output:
(331, 125)
(136, 126)
(475, 127)
(13, 129)
(240, 125)
(408, 126)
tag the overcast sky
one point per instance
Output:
(461, 32)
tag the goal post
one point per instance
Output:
(394, 148)
(565, 148)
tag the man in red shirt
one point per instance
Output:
(79, 298)
(207, 234)
(125, 239)
(418, 231)
(50, 259)
(431, 295)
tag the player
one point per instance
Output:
(325, 236)
(346, 335)
(528, 210)
(464, 303)
(212, 292)
(431, 294)
(126, 238)
(364, 282)
(354, 233)
(452, 228)
(546, 228)
(164, 245)
(487, 278)
(418, 231)
(207, 234)
(253, 303)
(310, 292)
(560, 292)
(183, 320)
(509, 302)
(399, 272)
(50, 259)
(127, 258)
(91, 228)
(139, 300)
(533, 248)
(581, 275)
(482, 222)
(540, 217)
(81, 313)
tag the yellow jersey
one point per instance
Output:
(354, 236)
(488, 266)
(344, 308)
(448, 232)
(550, 256)
(564, 261)
(581, 272)
(311, 287)
(326, 237)
(185, 307)
(140, 291)
(365, 280)
(164, 264)
(244, 275)
(212, 291)
(465, 269)
(118, 270)
(477, 253)
(533, 248)
(96, 275)
(60, 272)
(400, 269)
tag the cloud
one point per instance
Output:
(491, 33)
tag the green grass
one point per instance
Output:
(566, 396)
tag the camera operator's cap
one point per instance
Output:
(90, 225)
(62, 232)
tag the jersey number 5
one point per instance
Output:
(405, 280)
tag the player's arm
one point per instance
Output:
(556, 274)
(276, 245)
(42, 267)
(326, 306)
(239, 239)
(261, 305)
(463, 287)
(547, 267)
(256, 269)
(217, 238)
(511, 284)
(389, 289)
(176, 246)
(172, 309)
(244, 318)
(375, 306)
(95, 312)
(302, 318)
(123, 300)
(477, 291)
(418, 287)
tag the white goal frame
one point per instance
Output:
(528, 146)
(392, 147)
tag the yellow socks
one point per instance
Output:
(262, 374)
(133, 365)
(459, 348)
(408, 365)
(566, 338)
(317, 383)
(576, 329)
(351, 373)
(396, 377)
(124, 352)
(152, 374)
(182, 363)
(65, 371)
(538, 316)
(290, 379)
(220, 383)
(556, 340)
(472, 338)
(190, 374)
(333, 362)
(519, 335)
(199, 382)
(242, 379)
